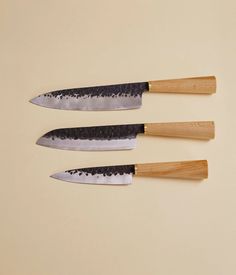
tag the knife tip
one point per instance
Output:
(33, 100)
(38, 141)
(37, 100)
(41, 142)
(55, 176)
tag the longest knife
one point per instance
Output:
(121, 96)
(121, 137)
(122, 174)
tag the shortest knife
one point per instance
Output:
(122, 174)
(122, 137)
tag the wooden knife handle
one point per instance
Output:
(195, 85)
(194, 130)
(197, 169)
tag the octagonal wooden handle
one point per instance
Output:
(197, 169)
(195, 129)
(194, 85)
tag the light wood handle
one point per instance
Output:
(197, 169)
(195, 130)
(195, 85)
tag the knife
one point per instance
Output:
(122, 174)
(121, 137)
(121, 96)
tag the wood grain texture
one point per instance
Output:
(195, 129)
(195, 85)
(197, 169)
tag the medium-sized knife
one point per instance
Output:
(121, 96)
(121, 137)
(122, 174)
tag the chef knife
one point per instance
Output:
(121, 96)
(121, 137)
(122, 174)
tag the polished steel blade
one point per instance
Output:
(113, 175)
(111, 97)
(97, 138)
(88, 145)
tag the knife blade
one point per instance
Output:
(123, 174)
(121, 96)
(122, 137)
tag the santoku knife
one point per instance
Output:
(121, 96)
(122, 174)
(121, 137)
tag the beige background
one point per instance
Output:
(154, 226)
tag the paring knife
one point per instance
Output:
(121, 96)
(122, 174)
(121, 137)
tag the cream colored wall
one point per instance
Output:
(155, 226)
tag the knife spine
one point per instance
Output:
(97, 132)
(105, 170)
